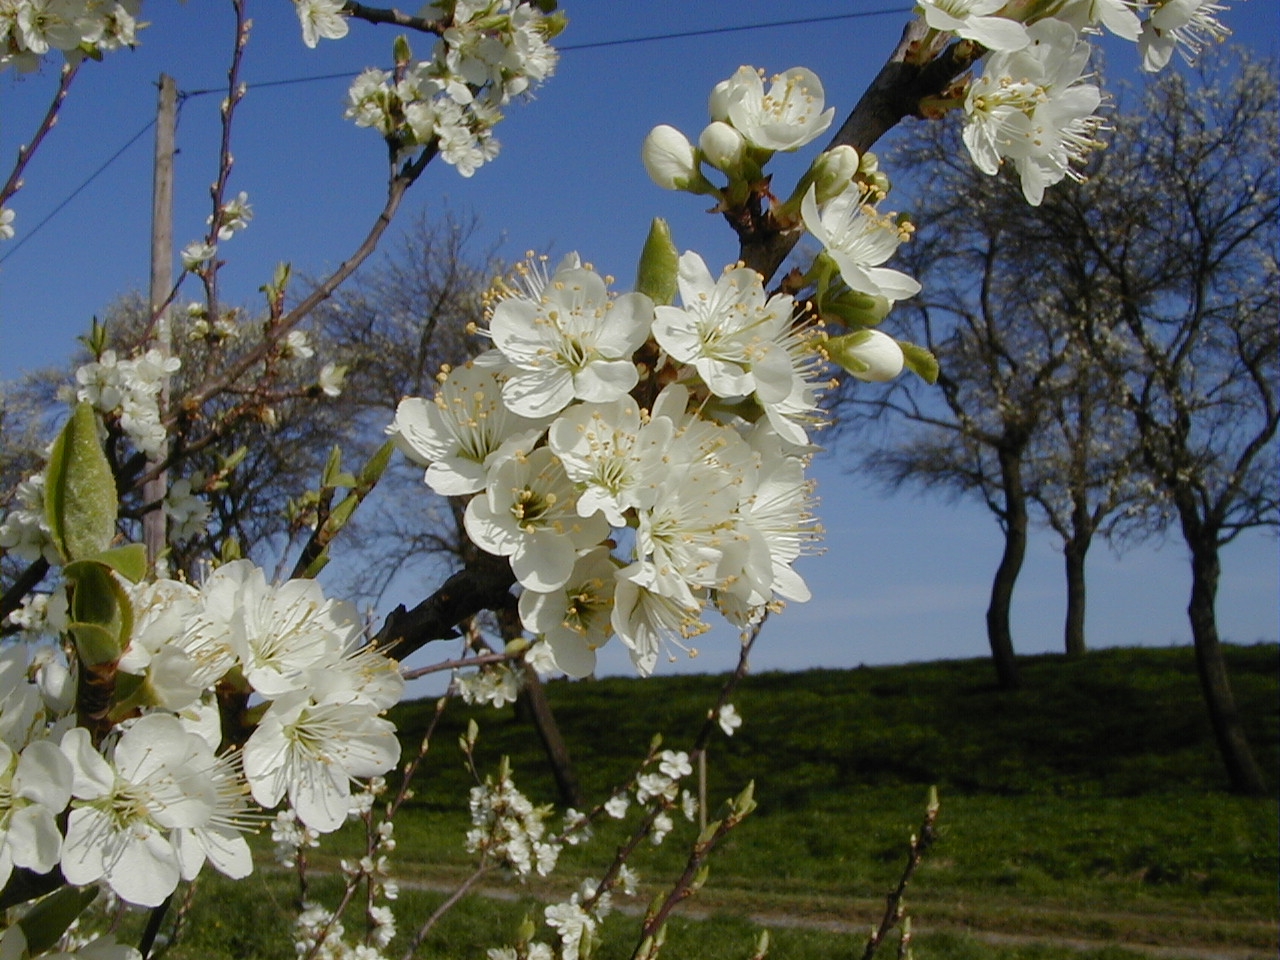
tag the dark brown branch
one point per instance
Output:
(893, 910)
(26, 582)
(483, 584)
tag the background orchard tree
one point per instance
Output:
(1004, 364)
(1181, 222)
(1108, 356)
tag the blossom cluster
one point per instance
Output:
(158, 794)
(488, 53)
(507, 828)
(31, 29)
(618, 518)
(1032, 105)
(836, 202)
(24, 531)
(128, 390)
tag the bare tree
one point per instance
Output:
(1111, 355)
(1181, 219)
(1006, 352)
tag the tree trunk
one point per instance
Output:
(533, 698)
(1206, 568)
(999, 633)
(1074, 551)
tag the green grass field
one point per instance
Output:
(1084, 816)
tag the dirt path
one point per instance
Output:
(778, 919)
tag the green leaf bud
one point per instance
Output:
(659, 264)
(80, 491)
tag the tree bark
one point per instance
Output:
(533, 698)
(1228, 730)
(1073, 632)
(1075, 549)
(999, 632)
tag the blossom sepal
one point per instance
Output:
(920, 361)
(867, 354)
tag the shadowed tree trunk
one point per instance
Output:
(533, 702)
(1228, 730)
(1074, 550)
(999, 632)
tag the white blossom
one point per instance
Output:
(1185, 25)
(973, 20)
(35, 787)
(1034, 108)
(464, 431)
(157, 780)
(568, 339)
(859, 239)
(787, 117)
(234, 216)
(728, 719)
(575, 620)
(572, 923)
(311, 751)
(616, 458)
(529, 513)
(321, 19)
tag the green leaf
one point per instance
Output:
(332, 467)
(46, 922)
(377, 465)
(130, 561)
(659, 264)
(920, 362)
(80, 492)
(101, 614)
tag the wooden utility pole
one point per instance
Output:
(154, 532)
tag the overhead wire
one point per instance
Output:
(315, 78)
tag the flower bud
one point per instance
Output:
(867, 354)
(722, 146)
(833, 171)
(669, 158)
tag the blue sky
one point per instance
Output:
(903, 578)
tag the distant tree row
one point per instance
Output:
(1108, 367)
(1109, 360)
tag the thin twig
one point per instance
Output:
(26, 151)
(893, 910)
(445, 908)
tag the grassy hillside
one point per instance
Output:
(1088, 806)
(1116, 723)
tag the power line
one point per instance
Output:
(711, 31)
(598, 44)
(27, 235)
(594, 45)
